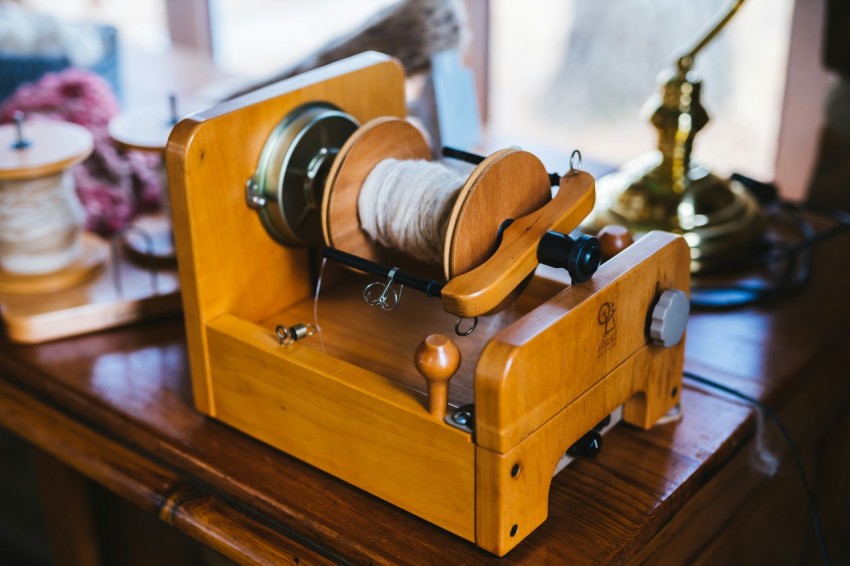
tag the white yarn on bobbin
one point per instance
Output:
(406, 205)
(40, 224)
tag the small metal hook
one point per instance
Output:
(383, 295)
(287, 336)
(575, 160)
(469, 330)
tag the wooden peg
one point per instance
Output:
(613, 239)
(437, 359)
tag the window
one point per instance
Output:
(575, 74)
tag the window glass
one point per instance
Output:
(576, 74)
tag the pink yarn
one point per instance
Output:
(114, 185)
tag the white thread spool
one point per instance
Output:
(41, 217)
(406, 205)
(508, 184)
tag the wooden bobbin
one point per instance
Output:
(482, 270)
(508, 185)
(147, 129)
(53, 147)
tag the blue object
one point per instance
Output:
(16, 70)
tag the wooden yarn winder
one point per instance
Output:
(541, 373)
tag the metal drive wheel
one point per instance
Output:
(286, 189)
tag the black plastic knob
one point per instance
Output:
(588, 446)
(580, 257)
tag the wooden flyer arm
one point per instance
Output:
(482, 289)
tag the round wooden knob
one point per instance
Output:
(613, 239)
(437, 359)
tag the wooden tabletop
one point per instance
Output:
(117, 407)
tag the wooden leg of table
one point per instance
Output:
(67, 509)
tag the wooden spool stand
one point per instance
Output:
(541, 373)
(82, 296)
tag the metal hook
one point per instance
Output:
(468, 331)
(20, 141)
(287, 336)
(389, 298)
(575, 160)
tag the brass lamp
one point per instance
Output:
(668, 190)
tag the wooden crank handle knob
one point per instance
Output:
(613, 239)
(437, 359)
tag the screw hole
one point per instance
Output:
(514, 529)
(674, 392)
(515, 470)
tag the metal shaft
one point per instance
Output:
(430, 288)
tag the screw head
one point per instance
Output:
(462, 417)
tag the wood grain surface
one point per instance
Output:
(222, 248)
(481, 290)
(117, 406)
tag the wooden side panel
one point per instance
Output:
(510, 507)
(228, 264)
(540, 364)
(363, 428)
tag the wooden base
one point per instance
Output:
(91, 305)
(541, 374)
(92, 256)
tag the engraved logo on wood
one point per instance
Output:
(605, 318)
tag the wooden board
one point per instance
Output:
(383, 342)
(92, 304)
(550, 377)
(357, 425)
(228, 263)
(93, 253)
(537, 366)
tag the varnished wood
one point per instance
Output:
(207, 182)
(613, 239)
(93, 253)
(479, 291)
(508, 185)
(345, 420)
(54, 147)
(67, 512)
(537, 391)
(569, 338)
(437, 359)
(117, 406)
(380, 139)
(93, 303)
(320, 393)
(155, 488)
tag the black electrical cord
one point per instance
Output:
(773, 416)
(797, 255)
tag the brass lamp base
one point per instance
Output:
(717, 218)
